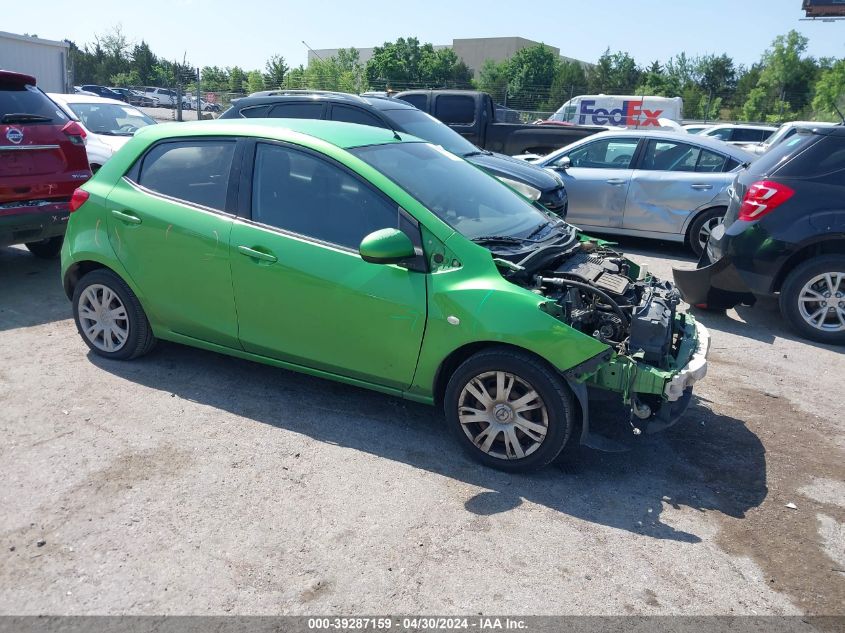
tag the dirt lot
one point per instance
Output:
(191, 483)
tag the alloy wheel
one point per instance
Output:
(821, 302)
(103, 318)
(503, 415)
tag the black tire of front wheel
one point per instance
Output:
(791, 289)
(140, 339)
(46, 249)
(553, 390)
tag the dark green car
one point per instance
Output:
(349, 253)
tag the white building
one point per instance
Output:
(46, 60)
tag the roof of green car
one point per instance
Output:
(344, 135)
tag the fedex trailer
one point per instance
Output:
(620, 111)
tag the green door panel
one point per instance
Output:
(178, 256)
(326, 308)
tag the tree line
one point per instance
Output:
(785, 84)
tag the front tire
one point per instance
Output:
(110, 318)
(46, 249)
(702, 226)
(509, 410)
(812, 299)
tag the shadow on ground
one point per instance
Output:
(30, 290)
(709, 462)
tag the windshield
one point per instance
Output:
(110, 119)
(430, 129)
(467, 199)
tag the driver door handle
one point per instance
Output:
(616, 181)
(251, 252)
(126, 217)
(701, 187)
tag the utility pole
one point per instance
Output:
(199, 106)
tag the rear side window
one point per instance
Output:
(17, 99)
(670, 156)
(824, 160)
(455, 109)
(193, 171)
(304, 110)
(354, 115)
(418, 101)
(712, 162)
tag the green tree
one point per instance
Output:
(406, 63)
(274, 72)
(214, 79)
(237, 78)
(830, 92)
(531, 72)
(295, 78)
(143, 63)
(615, 73)
(569, 81)
(255, 81)
(493, 79)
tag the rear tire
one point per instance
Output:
(509, 410)
(809, 301)
(110, 318)
(701, 227)
(46, 249)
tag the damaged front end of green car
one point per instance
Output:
(654, 353)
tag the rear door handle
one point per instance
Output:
(616, 181)
(251, 252)
(126, 217)
(702, 187)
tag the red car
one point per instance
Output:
(42, 160)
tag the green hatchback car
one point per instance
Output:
(354, 254)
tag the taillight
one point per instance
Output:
(74, 132)
(79, 197)
(763, 197)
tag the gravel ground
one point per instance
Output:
(191, 483)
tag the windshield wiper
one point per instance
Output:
(477, 152)
(21, 117)
(501, 239)
(539, 229)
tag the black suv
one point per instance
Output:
(394, 114)
(783, 234)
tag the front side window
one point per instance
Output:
(418, 101)
(193, 171)
(299, 192)
(455, 109)
(607, 153)
(750, 135)
(722, 133)
(463, 196)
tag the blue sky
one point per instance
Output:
(246, 32)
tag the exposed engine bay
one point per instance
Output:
(601, 293)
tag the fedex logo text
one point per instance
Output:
(631, 114)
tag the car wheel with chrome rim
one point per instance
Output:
(813, 299)
(509, 410)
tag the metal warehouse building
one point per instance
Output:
(46, 60)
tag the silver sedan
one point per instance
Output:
(663, 185)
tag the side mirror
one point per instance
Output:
(564, 163)
(386, 246)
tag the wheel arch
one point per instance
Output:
(78, 270)
(830, 246)
(458, 356)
